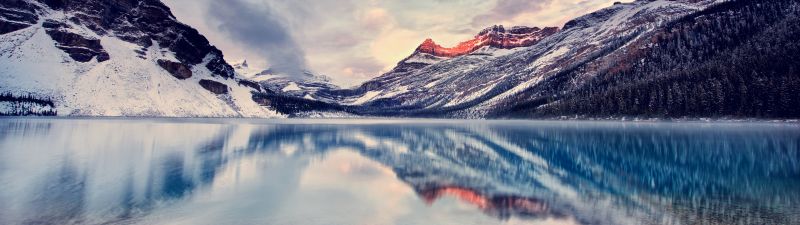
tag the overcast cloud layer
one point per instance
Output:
(261, 30)
(354, 40)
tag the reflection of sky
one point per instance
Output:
(379, 172)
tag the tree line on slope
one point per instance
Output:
(26, 105)
(735, 59)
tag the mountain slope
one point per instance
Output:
(113, 58)
(435, 69)
(647, 58)
(470, 85)
(659, 58)
(736, 59)
(304, 86)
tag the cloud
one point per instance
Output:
(362, 68)
(388, 47)
(374, 18)
(354, 40)
(506, 10)
(258, 27)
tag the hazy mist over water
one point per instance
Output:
(239, 171)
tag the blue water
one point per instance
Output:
(238, 171)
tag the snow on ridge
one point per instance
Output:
(619, 22)
(128, 84)
(424, 58)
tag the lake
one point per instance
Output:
(372, 171)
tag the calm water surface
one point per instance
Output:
(235, 171)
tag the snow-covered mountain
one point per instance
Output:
(306, 86)
(407, 77)
(470, 81)
(647, 58)
(495, 37)
(113, 58)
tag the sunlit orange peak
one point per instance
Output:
(495, 36)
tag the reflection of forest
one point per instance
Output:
(595, 172)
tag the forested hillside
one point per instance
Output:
(736, 59)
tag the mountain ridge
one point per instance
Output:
(113, 58)
(495, 36)
(647, 58)
(594, 55)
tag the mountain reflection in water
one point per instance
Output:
(235, 171)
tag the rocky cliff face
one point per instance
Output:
(116, 57)
(495, 36)
(145, 23)
(469, 85)
(647, 58)
(79, 48)
(16, 15)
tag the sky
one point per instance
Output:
(351, 41)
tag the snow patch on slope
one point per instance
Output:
(424, 58)
(394, 92)
(291, 87)
(365, 98)
(472, 95)
(125, 85)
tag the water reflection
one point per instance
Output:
(396, 172)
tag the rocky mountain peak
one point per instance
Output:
(114, 58)
(142, 22)
(495, 36)
(241, 65)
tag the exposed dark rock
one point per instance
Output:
(142, 22)
(591, 18)
(8, 27)
(55, 4)
(218, 66)
(403, 67)
(141, 53)
(79, 48)
(178, 70)
(154, 21)
(495, 36)
(103, 56)
(16, 15)
(250, 84)
(214, 87)
(52, 24)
